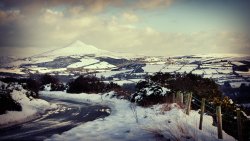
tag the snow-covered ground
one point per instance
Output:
(101, 65)
(76, 48)
(12, 70)
(131, 123)
(43, 70)
(153, 68)
(31, 108)
(110, 73)
(84, 62)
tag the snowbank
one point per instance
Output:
(130, 122)
(31, 108)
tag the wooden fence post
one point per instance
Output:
(240, 137)
(219, 122)
(202, 112)
(189, 103)
(185, 98)
(173, 97)
(179, 97)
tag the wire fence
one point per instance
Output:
(211, 109)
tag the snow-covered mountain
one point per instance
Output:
(81, 57)
(77, 48)
(67, 55)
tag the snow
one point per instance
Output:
(244, 74)
(152, 68)
(129, 122)
(149, 91)
(101, 65)
(238, 84)
(198, 72)
(13, 70)
(84, 62)
(120, 82)
(19, 61)
(210, 71)
(47, 87)
(110, 73)
(218, 55)
(16, 63)
(187, 68)
(45, 70)
(36, 60)
(76, 48)
(31, 108)
(172, 68)
(238, 63)
(225, 70)
(152, 59)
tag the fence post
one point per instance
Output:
(189, 103)
(202, 112)
(185, 98)
(179, 97)
(173, 97)
(219, 122)
(239, 124)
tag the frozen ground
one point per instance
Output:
(131, 123)
(84, 62)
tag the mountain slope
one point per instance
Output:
(74, 49)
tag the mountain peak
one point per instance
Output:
(76, 48)
(79, 43)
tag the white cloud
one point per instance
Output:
(120, 33)
(51, 17)
(130, 17)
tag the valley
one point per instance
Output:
(230, 71)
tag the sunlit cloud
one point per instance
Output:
(112, 25)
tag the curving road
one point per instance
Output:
(68, 115)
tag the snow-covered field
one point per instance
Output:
(153, 68)
(43, 70)
(12, 70)
(101, 65)
(84, 62)
(129, 122)
(110, 73)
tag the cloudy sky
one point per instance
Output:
(151, 27)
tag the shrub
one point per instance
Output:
(111, 86)
(53, 81)
(27, 83)
(185, 83)
(58, 87)
(48, 79)
(130, 87)
(33, 86)
(90, 84)
(122, 94)
(149, 93)
(7, 103)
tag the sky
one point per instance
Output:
(149, 27)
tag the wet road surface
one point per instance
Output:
(69, 114)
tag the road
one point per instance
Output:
(69, 114)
